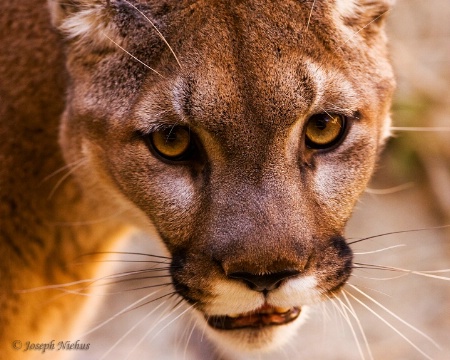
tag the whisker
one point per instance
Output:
(124, 274)
(137, 278)
(136, 272)
(370, 22)
(435, 271)
(394, 315)
(332, 107)
(90, 222)
(172, 128)
(63, 178)
(379, 279)
(325, 312)
(121, 312)
(175, 319)
(379, 250)
(128, 262)
(156, 29)
(193, 326)
(427, 273)
(205, 324)
(168, 295)
(374, 290)
(146, 271)
(65, 292)
(343, 311)
(421, 128)
(310, 14)
(391, 326)
(132, 56)
(56, 286)
(398, 232)
(130, 331)
(358, 322)
(158, 321)
(178, 303)
(138, 288)
(84, 281)
(125, 253)
(390, 190)
(349, 309)
(61, 169)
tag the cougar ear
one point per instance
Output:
(60, 10)
(365, 16)
(87, 21)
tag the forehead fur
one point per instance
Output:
(80, 18)
(256, 61)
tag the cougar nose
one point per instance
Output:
(263, 283)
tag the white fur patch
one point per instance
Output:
(386, 130)
(345, 8)
(232, 297)
(317, 73)
(236, 298)
(296, 292)
(331, 82)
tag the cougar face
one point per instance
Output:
(246, 143)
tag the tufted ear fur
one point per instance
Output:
(364, 16)
(60, 10)
(87, 21)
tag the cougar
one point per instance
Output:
(241, 133)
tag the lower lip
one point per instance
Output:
(253, 320)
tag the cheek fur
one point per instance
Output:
(172, 204)
(168, 195)
(340, 178)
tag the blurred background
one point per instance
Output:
(411, 190)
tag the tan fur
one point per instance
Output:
(75, 172)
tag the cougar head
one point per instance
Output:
(243, 131)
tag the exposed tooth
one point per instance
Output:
(282, 310)
(234, 316)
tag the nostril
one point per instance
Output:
(265, 282)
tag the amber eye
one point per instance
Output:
(173, 143)
(324, 130)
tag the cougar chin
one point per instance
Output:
(258, 337)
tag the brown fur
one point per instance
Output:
(254, 199)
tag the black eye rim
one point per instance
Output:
(337, 141)
(181, 159)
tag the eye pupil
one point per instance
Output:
(321, 124)
(324, 131)
(171, 137)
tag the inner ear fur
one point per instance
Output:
(89, 22)
(366, 16)
(60, 10)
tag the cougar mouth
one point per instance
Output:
(266, 315)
